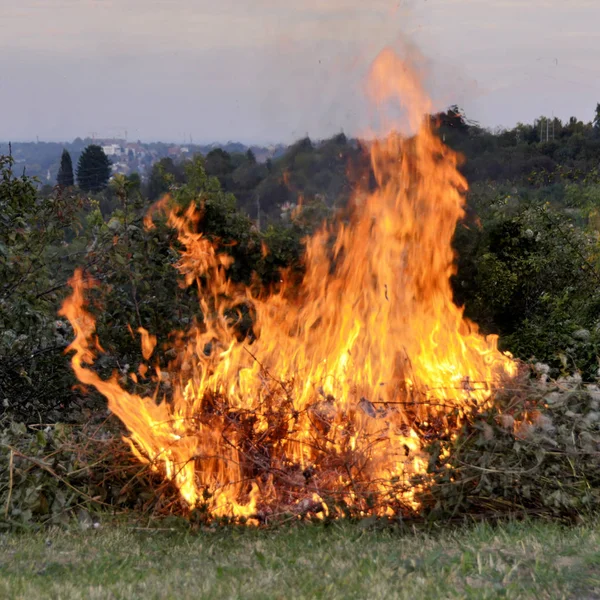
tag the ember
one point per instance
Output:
(351, 372)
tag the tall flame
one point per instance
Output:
(348, 370)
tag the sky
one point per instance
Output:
(269, 71)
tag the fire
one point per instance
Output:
(348, 372)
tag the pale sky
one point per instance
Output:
(261, 71)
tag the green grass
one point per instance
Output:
(515, 560)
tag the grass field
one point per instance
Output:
(515, 560)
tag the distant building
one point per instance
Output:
(137, 149)
(120, 167)
(112, 150)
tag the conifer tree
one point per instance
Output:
(65, 173)
(93, 169)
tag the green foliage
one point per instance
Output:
(65, 176)
(141, 282)
(219, 163)
(535, 452)
(307, 171)
(529, 273)
(239, 174)
(50, 474)
(42, 240)
(33, 374)
(138, 264)
(165, 174)
(93, 169)
(528, 259)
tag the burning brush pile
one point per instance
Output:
(347, 376)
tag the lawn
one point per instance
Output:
(514, 560)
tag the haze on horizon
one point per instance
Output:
(265, 71)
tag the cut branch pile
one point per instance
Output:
(48, 473)
(535, 453)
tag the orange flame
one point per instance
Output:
(347, 370)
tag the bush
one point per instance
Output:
(529, 274)
(34, 376)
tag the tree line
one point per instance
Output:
(528, 250)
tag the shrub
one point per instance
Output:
(528, 273)
(34, 377)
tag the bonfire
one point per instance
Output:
(348, 375)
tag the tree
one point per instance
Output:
(165, 173)
(65, 173)
(218, 163)
(135, 181)
(597, 117)
(453, 118)
(93, 169)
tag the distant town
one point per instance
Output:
(42, 159)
